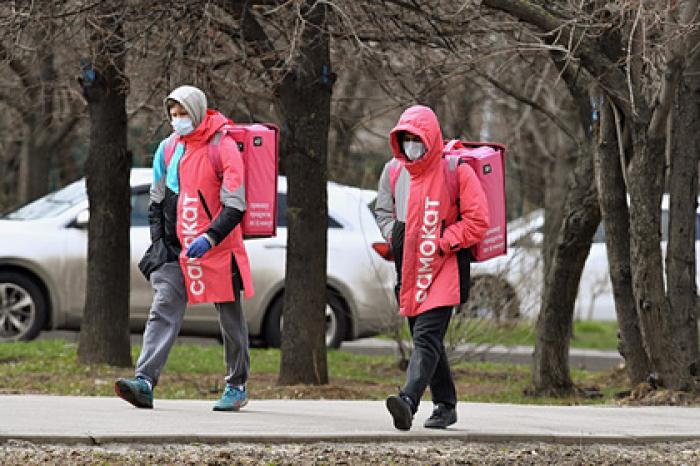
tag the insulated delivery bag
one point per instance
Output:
(488, 162)
(259, 147)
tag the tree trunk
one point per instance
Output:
(580, 220)
(555, 196)
(104, 333)
(646, 181)
(680, 255)
(305, 95)
(27, 175)
(35, 157)
(613, 204)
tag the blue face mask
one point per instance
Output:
(182, 126)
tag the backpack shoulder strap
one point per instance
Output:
(214, 153)
(394, 171)
(169, 149)
(450, 164)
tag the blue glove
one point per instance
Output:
(198, 247)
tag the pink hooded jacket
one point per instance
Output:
(430, 276)
(208, 278)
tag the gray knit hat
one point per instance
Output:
(192, 100)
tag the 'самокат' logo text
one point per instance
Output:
(193, 268)
(427, 248)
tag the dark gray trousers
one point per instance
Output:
(165, 320)
(428, 365)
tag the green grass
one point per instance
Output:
(193, 371)
(586, 334)
(595, 335)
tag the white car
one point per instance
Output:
(43, 250)
(511, 285)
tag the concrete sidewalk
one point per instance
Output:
(95, 420)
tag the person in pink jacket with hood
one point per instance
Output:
(429, 234)
(197, 253)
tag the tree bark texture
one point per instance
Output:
(579, 222)
(305, 97)
(645, 184)
(683, 189)
(555, 196)
(646, 120)
(615, 213)
(104, 333)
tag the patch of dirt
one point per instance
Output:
(264, 386)
(616, 377)
(11, 391)
(645, 395)
(467, 372)
(475, 389)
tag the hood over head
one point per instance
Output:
(192, 100)
(421, 121)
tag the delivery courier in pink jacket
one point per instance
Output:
(200, 204)
(428, 230)
(434, 228)
(197, 253)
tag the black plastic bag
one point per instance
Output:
(156, 255)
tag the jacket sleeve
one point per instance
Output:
(474, 212)
(232, 192)
(156, 195)
(384, 206)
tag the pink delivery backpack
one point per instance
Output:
(488, 162)
(259, 147)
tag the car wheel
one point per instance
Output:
(336, 322)
(492, 298)
(23, 309)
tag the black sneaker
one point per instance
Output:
(442, 417)
(401, 409)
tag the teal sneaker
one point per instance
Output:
(135, 391)
(233, 399)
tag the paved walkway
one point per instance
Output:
(96, 420)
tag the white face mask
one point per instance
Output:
(413, 149)
(182, 126)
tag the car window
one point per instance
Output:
(139, 208)
(372, 206)
(52, 204)
(282, 213)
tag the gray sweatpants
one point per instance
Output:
(165, 320)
